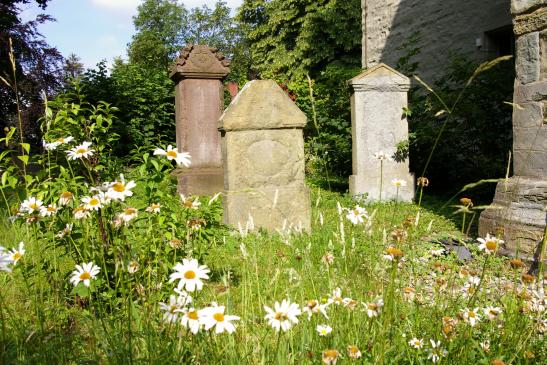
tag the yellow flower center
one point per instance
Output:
(312, 304)
(16, 256)
(94, 201)
(81, 151)
(129, 211)
(173, 308)
(118, 187)
(408, 290)
(188, 204)
(395, 252)
(353, 350)
(189, 275)
(219, 317)
(85, 276)
(280, 316)
(192, 315)
(330, 354)
(172, 154)
(491, 245)
(493, 312)
(50, 209)
(356, 212)
(372, 306)
(66, 195)
(471, 314)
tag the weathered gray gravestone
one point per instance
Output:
(199, 102)
(263, 153)
(521, 200)
(378, 124)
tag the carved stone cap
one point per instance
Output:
(382, 78)
(199, 62)
(261, 104)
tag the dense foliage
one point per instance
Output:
(35, 67)
(477, 139)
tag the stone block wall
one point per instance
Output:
(446, 26)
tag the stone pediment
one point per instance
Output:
(262, 104)
(380, 75)
(200, 62)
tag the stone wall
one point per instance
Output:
(446, 26)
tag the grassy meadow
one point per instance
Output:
(370, 284)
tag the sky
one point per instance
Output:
(95, 29)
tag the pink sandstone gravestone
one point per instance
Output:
(199, 101)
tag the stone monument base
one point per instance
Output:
(517, 215)
(270, 208)
(359, 184)
(199, 180)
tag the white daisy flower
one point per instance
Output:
(382, 156)
(65, 198)
(313, 307)
(191, 319)
(172, 308)
(119, 190)
(80, 151)
(153, 208)
(354, 352)
(92, 203)
(436, 352)
(490, 244)
(81, 213)
(323, 329)
(132, 267)
(357, 215)
(48, 211)
(50, 146)
(416, 343)
(181, 158)
(66, 231)
(492, 312)
(471, 316)
(374, 308)
(398, 183)
(31, 205)
(15, 255)
(283, 316)
(128, 214)
(214, 317)
(189, 274)
(84, 273)
(336, 297)
(5, 260)
(64, 140)
(189, 202)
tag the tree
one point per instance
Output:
(37, 67)
(73, 67)
(161, 27)
(284, 34)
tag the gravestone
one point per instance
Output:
(263, 153)
(519, 203)
(377, 125)
(199, 102)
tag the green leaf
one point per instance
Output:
(26, 147)
(23, 158)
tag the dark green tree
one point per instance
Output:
(38, 67)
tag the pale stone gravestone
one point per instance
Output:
(518, 214)
(263, 153)
(199, 102)
(378, 124)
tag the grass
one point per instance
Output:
(119, 320)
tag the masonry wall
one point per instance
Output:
(446, 27)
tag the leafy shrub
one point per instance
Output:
(478, 135)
